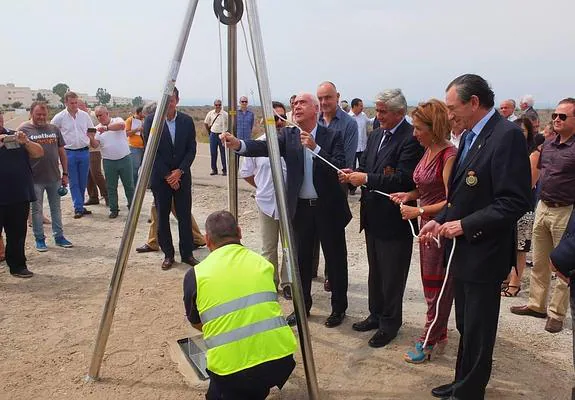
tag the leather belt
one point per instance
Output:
(82, 149)
(551, 204)
(308, 202)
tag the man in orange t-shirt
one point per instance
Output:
(134, 128)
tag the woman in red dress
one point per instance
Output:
(432, 130)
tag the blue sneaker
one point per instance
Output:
(41, 245)
(63, 242)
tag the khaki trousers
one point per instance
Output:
(548, 228)
(153, 232)
(270, 232)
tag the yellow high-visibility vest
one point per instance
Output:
(243, 325)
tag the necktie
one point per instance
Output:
(466, 147)
(386, 137)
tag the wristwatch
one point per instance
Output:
(421, 210)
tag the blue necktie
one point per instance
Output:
(466, 147)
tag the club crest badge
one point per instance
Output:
(471, 179)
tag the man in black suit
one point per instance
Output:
(489, 190)
(386, 165)
(171, 179)
(316, 204)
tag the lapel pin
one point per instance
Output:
(471, 179)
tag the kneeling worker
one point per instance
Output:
(231, 297)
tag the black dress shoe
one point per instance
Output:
(168, 262)
(335, 319)
(291, 320)
(145, 249)
(86, 212)
(443, 391)
(92, 202)
(367, 324)
(113, 214)
(380, 339)
(191, 260)
(214, 173)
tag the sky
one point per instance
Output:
(363, 46)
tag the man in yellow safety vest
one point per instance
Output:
(231, 297)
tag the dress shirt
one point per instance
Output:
(74, 129)
(391, 132)
(557, 165)
(217, 124)
(362, 121)
(244, 124)
(347, 126)
(172, 127)
(260, 169)
(481, 124)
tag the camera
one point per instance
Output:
(11, 142)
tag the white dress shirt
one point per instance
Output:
(260, 169)
(362, 122)
(74, 128)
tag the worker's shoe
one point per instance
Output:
(553, 325)
(168, 262)
(291, 320)
(335, 319)
(191, 261)
(525, 310)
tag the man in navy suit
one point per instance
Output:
(316, 204)
(171, 179)
(489, 190)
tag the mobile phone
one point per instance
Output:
(92, 130)
(11, 142)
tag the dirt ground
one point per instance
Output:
(48, 324)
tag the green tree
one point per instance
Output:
(40, 97)
(137, 101)
(103, 96)
(16, 104)
(60, 89)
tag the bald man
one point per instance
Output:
(507, 109)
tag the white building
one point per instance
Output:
(52, 98)
(10, 94)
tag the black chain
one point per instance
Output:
(229, 12)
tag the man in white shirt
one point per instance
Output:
(257, 172)
(362, 121)
(74, 124)
(216, 122)
(507, 109)
(457, 130)
(113, 142)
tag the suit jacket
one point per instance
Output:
(563, 256)
(489, 192)
(389, 170)
(332, 202)
(171, 156)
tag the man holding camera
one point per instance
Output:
(46, 174)
(16, 192)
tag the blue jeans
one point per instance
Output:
(216, 143)
(137, 155)
(51, 190)
(78, 167)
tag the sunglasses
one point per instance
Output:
(278, 118)
(243, 101)
(562, 117)
(217, 105)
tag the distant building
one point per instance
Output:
(52, 98)
(10, 94)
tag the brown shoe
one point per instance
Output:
(553, 325)
(145, 249)
(191, 261)
(524, 310)
(168, 262)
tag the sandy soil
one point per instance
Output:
(48, 324)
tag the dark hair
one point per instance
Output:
(292, 98)
(176, 93)
(526, 122)
(278, 104)
(469, 85)
(139, 109)
(569, 100)
(35, 104)
(355, 102)
(221, 225)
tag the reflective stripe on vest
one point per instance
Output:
(237, 304)
(245, 331)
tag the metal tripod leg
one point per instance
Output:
(142, 184)
(232, 119)
(281, 198)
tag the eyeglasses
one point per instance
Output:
(217, 105)
(278, 118)
(243, 101)
(562, 117)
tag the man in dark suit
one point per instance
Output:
(316, 204)
(171, 179)
(489, 190)
(386, 165)
(563, 263)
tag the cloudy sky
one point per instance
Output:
(363, 46)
